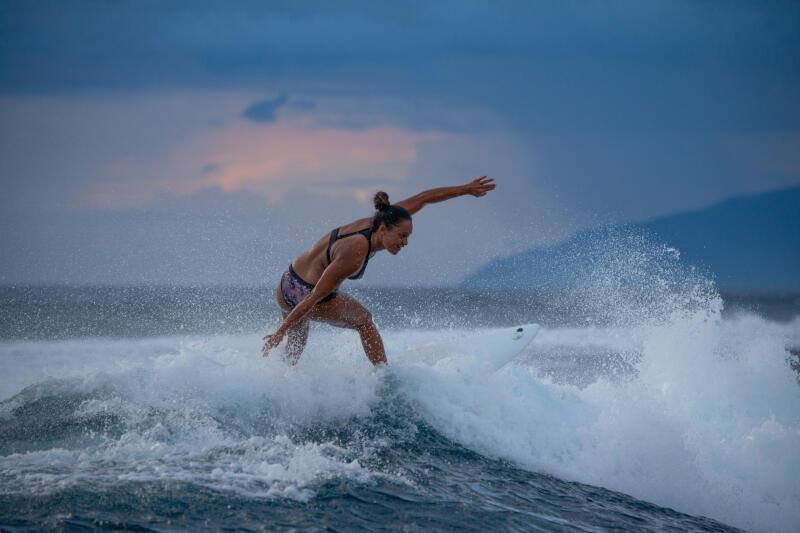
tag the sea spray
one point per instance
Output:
(200, 412)
(695, 415)
(211, 413)
(638, 384)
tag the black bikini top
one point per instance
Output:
(367, 233)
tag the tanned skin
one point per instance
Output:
(347, 257)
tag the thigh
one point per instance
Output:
(344, 311)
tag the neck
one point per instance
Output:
(375, 242)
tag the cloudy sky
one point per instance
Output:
(211, 142)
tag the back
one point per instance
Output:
(311, 264)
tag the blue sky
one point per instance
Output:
(210, 142)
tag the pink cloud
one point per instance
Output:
(270, 159)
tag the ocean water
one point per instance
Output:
(669, 407)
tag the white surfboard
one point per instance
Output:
(495, 347)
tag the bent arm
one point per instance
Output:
(477, 187)
(342, 265)
(331, 278)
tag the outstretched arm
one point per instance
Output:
(477, 187)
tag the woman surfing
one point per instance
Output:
(308, 288)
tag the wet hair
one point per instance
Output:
(387, 214)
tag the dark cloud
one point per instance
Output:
(629, 66)
(264, 110)
(80, 44)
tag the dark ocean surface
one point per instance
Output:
(150, 408)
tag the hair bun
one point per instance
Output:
(381, 201)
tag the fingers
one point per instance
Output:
(270, 342)
(484, 184)
(266, 349)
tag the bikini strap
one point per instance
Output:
(366, 232)
(334, 237)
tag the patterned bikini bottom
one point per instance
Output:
(295, 290)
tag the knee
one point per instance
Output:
(363, 321)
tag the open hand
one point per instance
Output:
(272, 341)
(480, 186)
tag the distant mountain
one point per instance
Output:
(746, 243)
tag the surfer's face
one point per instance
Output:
(397, 237)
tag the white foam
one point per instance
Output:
(170, 400)
(255, 467)
(710, 426)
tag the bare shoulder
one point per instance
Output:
(350, 248)
(358, 225)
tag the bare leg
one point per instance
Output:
(296, 339)
(344, 311)
(372, 343)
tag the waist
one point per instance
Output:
(297, 277)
